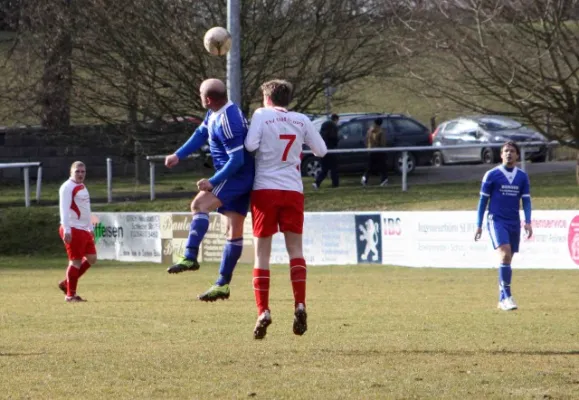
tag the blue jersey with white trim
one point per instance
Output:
(226, 131)
(505, 189)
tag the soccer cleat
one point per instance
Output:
(74, 299)
(215, 293)
(507, 304)
(300, 320)
(62, 286)
(384, 182)
(364, 181)
(184, 264)
(263, 321)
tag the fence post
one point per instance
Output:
(523, 162)
(109, 180)
(152, 179)
(404, 171)
(27, 186)
(38, 183)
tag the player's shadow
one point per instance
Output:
(492, 352)
(20, 354)
(460, 353)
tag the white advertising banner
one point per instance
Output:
(439, 239)
(128, 236)
(445, 239)
(328, 239)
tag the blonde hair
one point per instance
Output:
(77, 164)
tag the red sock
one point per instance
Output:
(72, 274)
(298, 274)
(83, 268)
(261, 289)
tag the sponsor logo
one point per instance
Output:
(102, 231)
(392, 226)
(369, 238)
(573, 239)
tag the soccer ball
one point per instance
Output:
(217, 41)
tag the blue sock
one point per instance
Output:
(505, 274)
(199, 226)
(231, 253)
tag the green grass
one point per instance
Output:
(375, 332)
(550, 192)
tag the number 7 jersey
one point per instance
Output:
(277, 136)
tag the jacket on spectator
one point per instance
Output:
(375, 137)
(329, 132)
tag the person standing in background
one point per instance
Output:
(375, 138)
(329, 132)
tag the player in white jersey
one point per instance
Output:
(76, 230)
(277, 136)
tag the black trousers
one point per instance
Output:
(377, 162)
(329, 164)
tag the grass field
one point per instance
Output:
(550, 192)
(375, 332)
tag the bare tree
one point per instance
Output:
(512, 57)
(139, 59)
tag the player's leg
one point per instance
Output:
(75, 252)
(233, 196)
(291, 223)
(202, 205)
(261, 278)
(90, 257)
(501, 239)
(231, 253)
(264, 214)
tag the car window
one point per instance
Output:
(406, 126)
(450, 127)
(466, 126)
(498, 123)
(352, 130)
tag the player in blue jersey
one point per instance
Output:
(504, 187)
(227, 191)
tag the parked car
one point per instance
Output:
(401, 131)
(480, 130)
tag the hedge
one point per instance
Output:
(27, 231)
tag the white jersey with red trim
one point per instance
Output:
(277, 136)
(74, 202)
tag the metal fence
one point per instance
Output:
(26, 169)
(404, 150)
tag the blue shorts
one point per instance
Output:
(234, 195)
(505, 233)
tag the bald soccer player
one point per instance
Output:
(227, 191)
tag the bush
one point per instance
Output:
(27, 231)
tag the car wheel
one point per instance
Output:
(311, 166)
(410, 163)
(437, 159)
(488, 156)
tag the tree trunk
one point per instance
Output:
(57, 76)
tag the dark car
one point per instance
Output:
(480, 130)
(401, 131)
